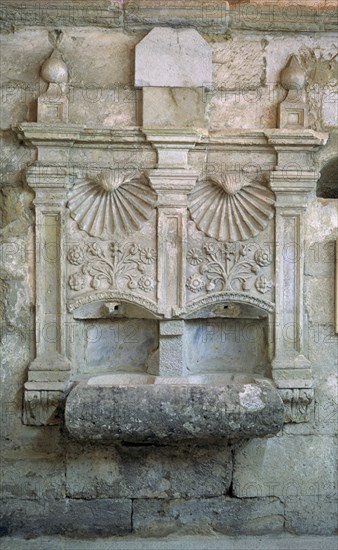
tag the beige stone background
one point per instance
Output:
(286, 482)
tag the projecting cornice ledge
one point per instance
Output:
(33, 133)
(209, 18)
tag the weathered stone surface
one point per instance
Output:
(131, 15)
(313, 515)
(173, 108)
(319, 294)
(147, 472)
(285, 467)
(27, 474)
(224, 514)
(244, 108)
(238, 64)
(171, 413)
(68, 517)
(174, 58)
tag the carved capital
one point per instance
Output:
(45, 390)
(296, 403)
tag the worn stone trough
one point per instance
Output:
(143, 408)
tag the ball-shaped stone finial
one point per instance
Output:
(293, 76)
(54, 69)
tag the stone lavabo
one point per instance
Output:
(185, 226)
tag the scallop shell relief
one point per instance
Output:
(111, 203)
(228, 210)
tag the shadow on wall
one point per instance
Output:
(327, 187)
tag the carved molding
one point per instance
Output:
(110, 295)
(220, 297)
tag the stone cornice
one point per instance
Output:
(209, 18)
(73, 134)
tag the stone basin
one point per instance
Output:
(213, 378)
(141, 408)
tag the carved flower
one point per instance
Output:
(194, 256)
(210, 287)
(75, 255)
(94, 250)
(195, 283)
(133, 249)
(147, 255)
(76, 281)
(95, 283)
(262, 284)
(210, 248)
(146, 284)
(115, 249)
(263, 257)
(132, 284)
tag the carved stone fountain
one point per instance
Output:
(169, 294)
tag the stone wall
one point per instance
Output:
(51, 484)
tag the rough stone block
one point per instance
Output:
(148, 472)
(223, 514)
(319, 297)
(174, 58)
(32, 475)
(284, 467)
(238, 64)
(33, 518)
(313, 515)
(173, 108)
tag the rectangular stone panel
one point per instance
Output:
(173, 108)
(174, 58)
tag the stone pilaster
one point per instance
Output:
(49, 372)
(293, 182)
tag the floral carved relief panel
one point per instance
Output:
(111, 265)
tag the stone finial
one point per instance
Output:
(293, 76)
(54, 70)
(53, 104)
(293, 111)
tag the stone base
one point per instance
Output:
(31, 518)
